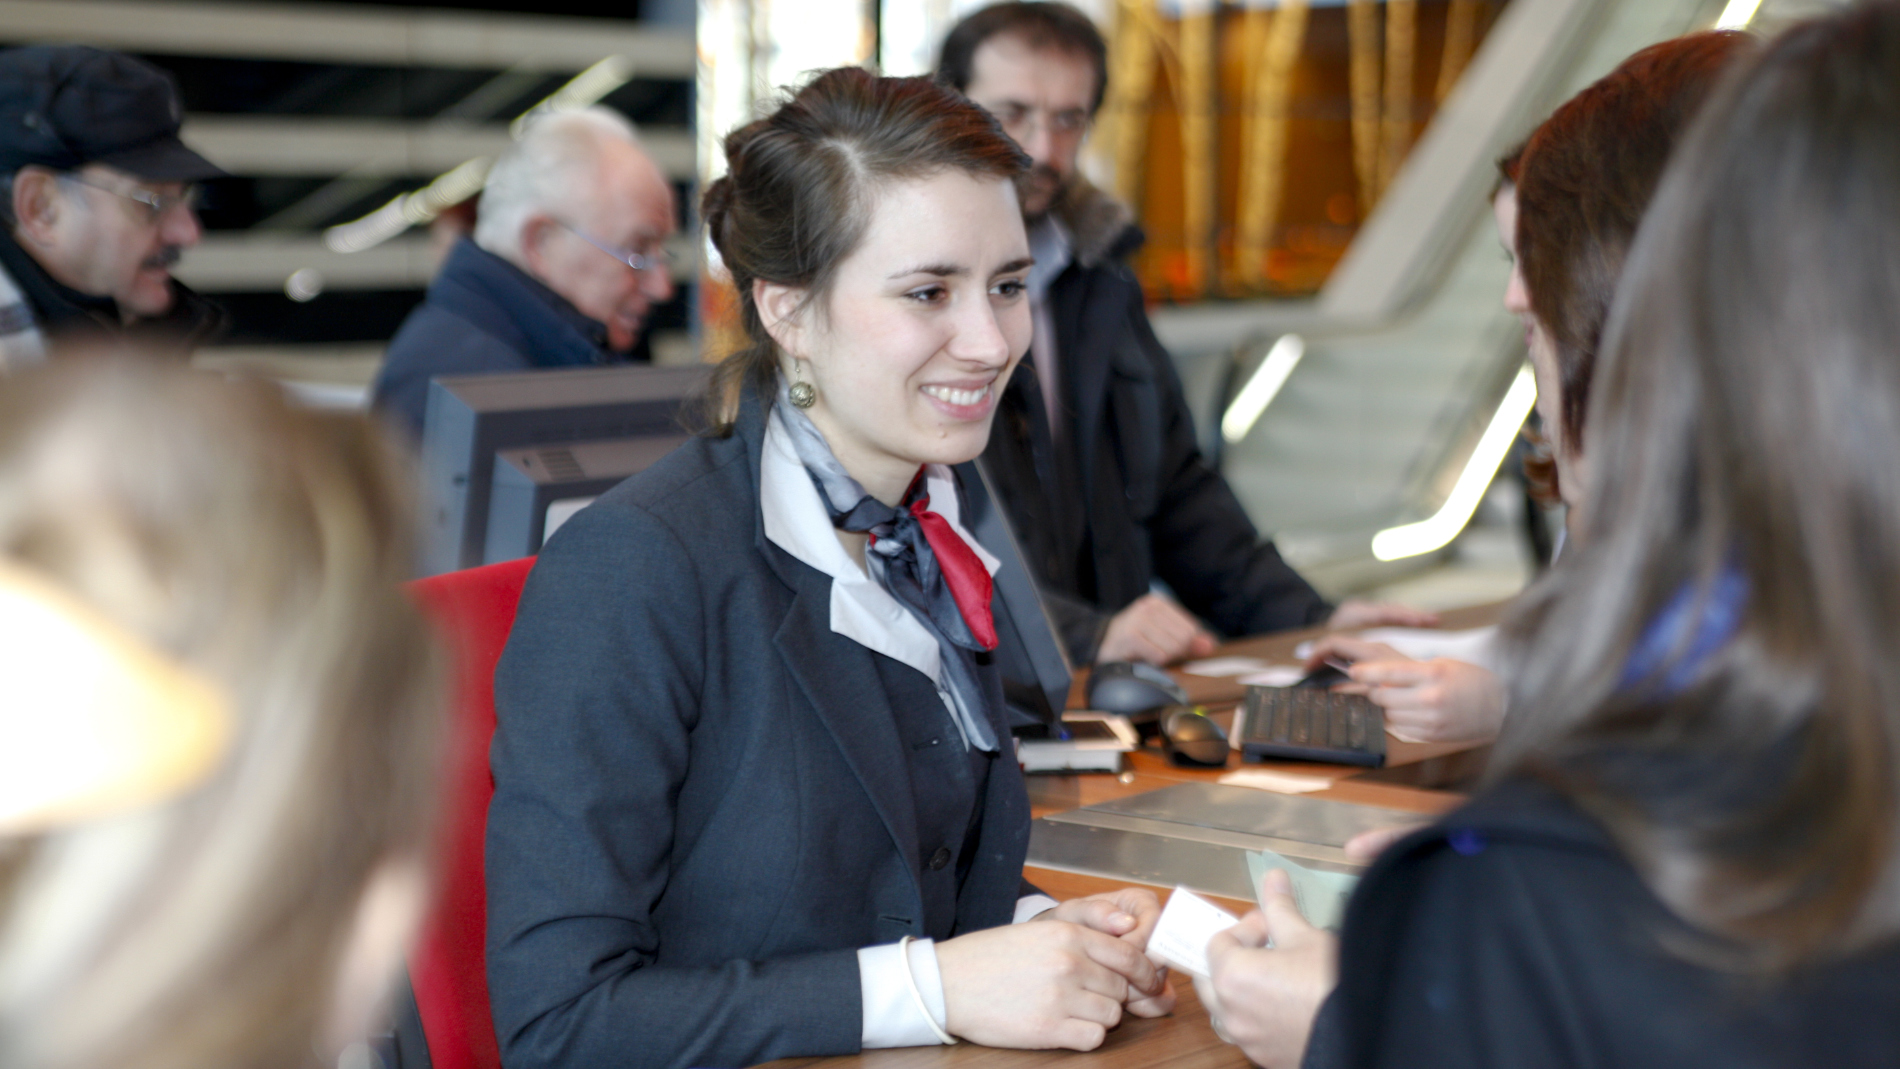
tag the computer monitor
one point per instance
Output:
(471, 418)
(1029, 653)
(536, 488)
(507, 458)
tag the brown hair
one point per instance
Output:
(1747, 417)
(1041, 25)
(1583, 181)
(261, 546)
(1540, 465)
(1507, 166)
(797, 193)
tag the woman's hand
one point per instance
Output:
(1155, 630)
(1129, 914)
(1039, 985)
(1269, 996)
(1354, 614)
(1440, 700)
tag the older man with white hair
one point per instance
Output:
(567, 258)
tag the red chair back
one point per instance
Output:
(474, 610)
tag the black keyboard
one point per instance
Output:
(1312, 724)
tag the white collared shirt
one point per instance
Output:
(866, 613)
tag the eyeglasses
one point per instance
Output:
(156, 204)
(655, 259)
(1016, 119)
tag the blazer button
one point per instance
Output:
(939, 859)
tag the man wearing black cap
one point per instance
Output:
(96, 191)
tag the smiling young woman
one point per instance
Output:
(754, 796)
(923, 324)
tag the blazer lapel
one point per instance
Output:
(839, 679)
(836, 675)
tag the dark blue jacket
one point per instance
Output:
(1515, 931)
(1123, 496)
(482, 314)
(706, 800)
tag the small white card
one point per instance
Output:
(1264, 779)
(1222, 667)
(1279, 675)
(1187, 923)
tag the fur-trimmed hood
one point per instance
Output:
(1101, 228)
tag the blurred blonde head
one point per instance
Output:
(262, 548)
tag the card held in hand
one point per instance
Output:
(1187, 923)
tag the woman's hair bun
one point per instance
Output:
(715, 207)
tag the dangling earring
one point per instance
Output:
(803, 394)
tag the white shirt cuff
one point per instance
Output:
(891, 1015)
(1028, 906)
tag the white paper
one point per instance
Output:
(1187, 923)
(1223, 667)
(1472, 646)
(1263, 779)
(1279, 675)
(1321, 895)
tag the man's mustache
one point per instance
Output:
(164, 258)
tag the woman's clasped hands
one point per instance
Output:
(1061, 980)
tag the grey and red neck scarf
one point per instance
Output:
(919, 558)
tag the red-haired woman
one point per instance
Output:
(1567, 209)
(1684, 853)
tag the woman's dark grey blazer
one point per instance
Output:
(702, 802)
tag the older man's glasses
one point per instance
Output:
(156, 204)
(653, 258)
